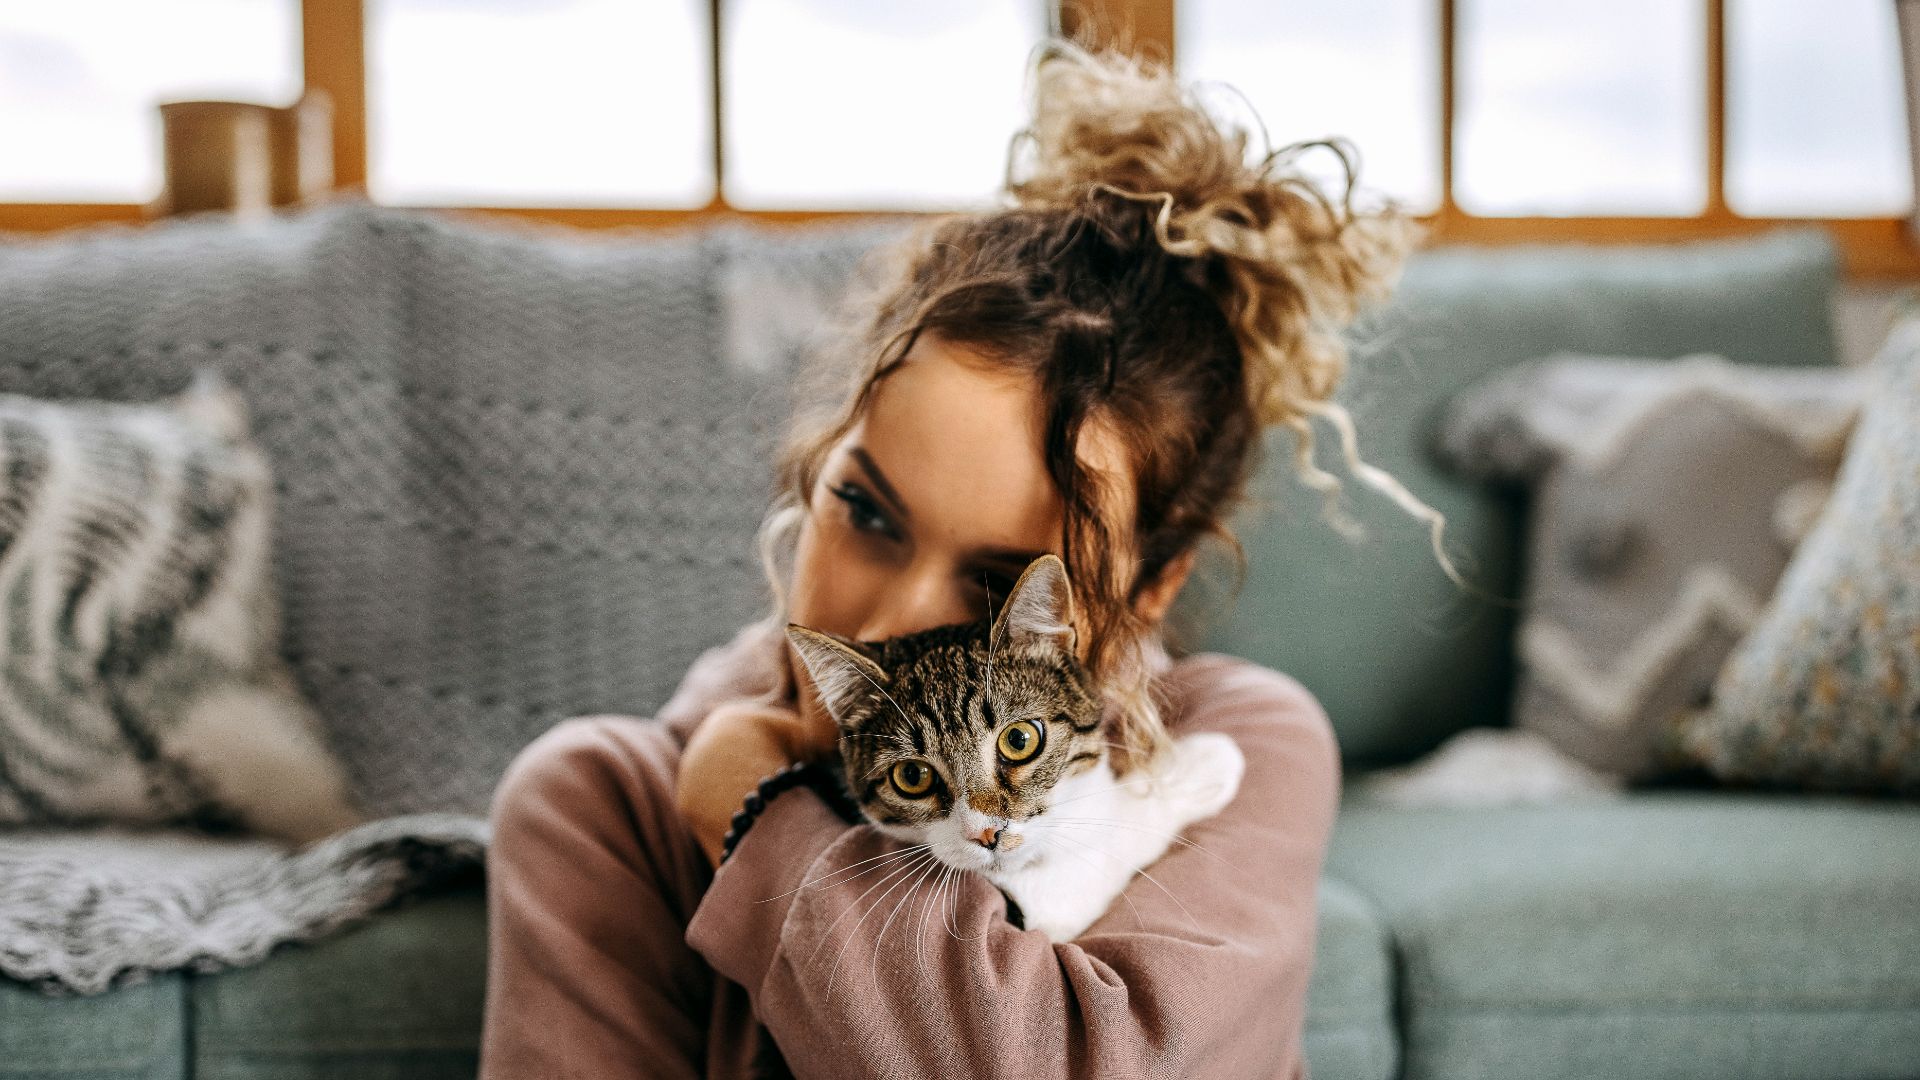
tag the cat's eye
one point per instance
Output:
(1019, 741)
(912, 778)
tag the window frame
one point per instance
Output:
(333, 51)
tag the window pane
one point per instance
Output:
(539, 102)
(1568, 107)
(874, 103)
(1815, 113)
(1297, 64)
(80, 81)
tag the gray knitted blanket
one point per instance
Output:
(84, 911)
(518, 475)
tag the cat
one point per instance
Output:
(984, 742)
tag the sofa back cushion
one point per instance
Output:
(521, 468)
(1400, 657)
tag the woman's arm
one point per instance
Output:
(1200, 970)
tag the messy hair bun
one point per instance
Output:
(1289, 266)
(1154, 287)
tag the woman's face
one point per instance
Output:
(932, 504)
(937, 494)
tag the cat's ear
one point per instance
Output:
(842, 674)
(1040, 607)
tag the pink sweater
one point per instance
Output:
(1199, 971)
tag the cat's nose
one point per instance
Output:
(988, 837)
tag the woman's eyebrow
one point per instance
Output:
(1012, 558)
(1016, 560)
(859, 455)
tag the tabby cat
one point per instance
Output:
(983, 742)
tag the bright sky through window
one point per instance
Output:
(1565, 107)
(80, 79)
(1365, 69)
(1568, 107)
(539, 102)
(874, 103)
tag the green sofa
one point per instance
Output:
(1681, 931)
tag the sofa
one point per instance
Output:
(1680, 930)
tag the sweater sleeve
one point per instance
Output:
(862, 962)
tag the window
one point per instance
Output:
(853, 104)
(549, 103)
(1569, 107)
(1365, 69)
(1499, 120)
(80, 79)
(1814, 119)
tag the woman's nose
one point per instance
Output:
(920, 599)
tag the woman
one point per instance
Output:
(1086, 373)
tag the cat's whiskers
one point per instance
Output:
(951, 915)
(894, 870)
(883, 693)
(926, 909)
(873, 972)
(885, 855)
(895, 739)
(953, 906)
(854, 933)
(990, 635)
(1141, 871)
(1088, 795)
(948, 886)
(1175, 837)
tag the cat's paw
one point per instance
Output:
(1062, 905)
(1061, 927)
(1203, 776)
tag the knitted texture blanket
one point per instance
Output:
(518, 475)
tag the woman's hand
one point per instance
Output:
(729, 753)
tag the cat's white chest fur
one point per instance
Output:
(1098, 832)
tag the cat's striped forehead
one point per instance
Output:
(954, 678)
(946, 698)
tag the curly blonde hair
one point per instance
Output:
(1147, 279)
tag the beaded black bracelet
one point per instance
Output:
(827, 782)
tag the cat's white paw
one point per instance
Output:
(1060, 901)
(1061, 927)
(1203, 776)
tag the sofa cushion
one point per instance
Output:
(1825, 691)
(402, 996)
(1398, 655)
(1350, 1029)
(397, 998)
(137, 1032)
(1676, 933)
(1638, 588)
(141, 667)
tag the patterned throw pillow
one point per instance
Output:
(140, 680)
(1666, 498)
(1824, 694)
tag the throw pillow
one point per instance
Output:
(1824, 694)
(1666, 498)
(140, 679)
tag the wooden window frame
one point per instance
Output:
(333, 50)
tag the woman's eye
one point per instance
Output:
(864, 512)
(1019, 741)
(998, 585)
(912, 778)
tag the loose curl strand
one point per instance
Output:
(1157, 289)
